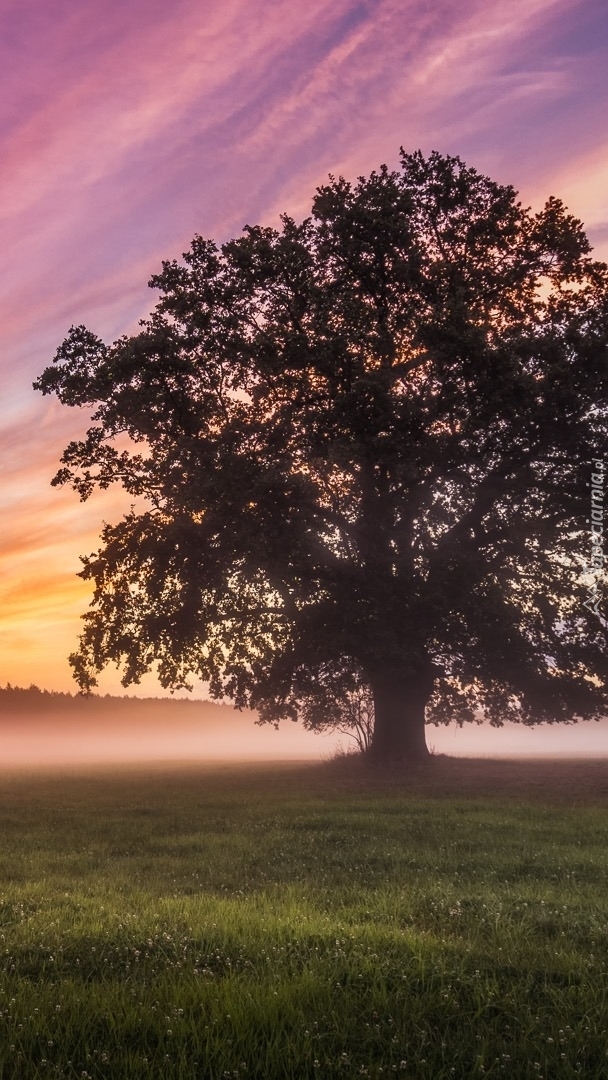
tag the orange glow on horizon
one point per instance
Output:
(123, 137)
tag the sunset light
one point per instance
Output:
(303, 580)
(124, 135)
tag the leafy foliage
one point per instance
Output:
(364, 441)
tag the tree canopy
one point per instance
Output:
(365, 442)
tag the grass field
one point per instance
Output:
(305, 921)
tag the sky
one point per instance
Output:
(128, 126)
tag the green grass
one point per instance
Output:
(300, 922)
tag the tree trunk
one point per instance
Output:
(399, 708)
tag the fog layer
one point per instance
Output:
(39, 729)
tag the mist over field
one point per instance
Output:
(59, 729)
(40, 729)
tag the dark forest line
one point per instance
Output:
(35, 702)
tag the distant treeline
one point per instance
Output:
(34, 700)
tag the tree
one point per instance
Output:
(365, 444)
(350, 713)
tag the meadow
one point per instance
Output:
(301, 921)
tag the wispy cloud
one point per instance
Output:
(126, 128)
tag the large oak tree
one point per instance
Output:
(364, 442)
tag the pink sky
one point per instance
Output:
(127, 127)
